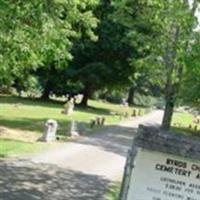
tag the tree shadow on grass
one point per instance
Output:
(22, 124)
(25, 180)
(93, 110)
(113, 138)
(20, 101)
(35, 125)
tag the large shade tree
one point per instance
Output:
(106, 63)
(37, 33)
(139, 35)
(190, 91)
(176, 27)
(173, 24)
(101, 63)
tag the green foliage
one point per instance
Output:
(113, 96)
(159, 21)
(113, 193)
(107, 45)
(168, 42)
(140, 35)
(35, 33)
(103, 63)
(190, 89)
(145, 100)
(29, 84)
(32, 86)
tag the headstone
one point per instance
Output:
(126, 114)
(82, 128)
(139, 112)
(103, 119)
(124, 102)
(134, 114)
(196, 119)
(77, 128)
(162, 166)
(50, 131)
(98, 120)
(92, 123)
(69, 107)
(74, 130)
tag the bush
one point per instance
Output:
(6, 90)
(148, 101)
(114, 97)
(32, 87)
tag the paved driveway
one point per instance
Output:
(78, 170)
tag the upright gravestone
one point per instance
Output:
(74, 129)
(69, 107)
(50, 131)
(162, 166)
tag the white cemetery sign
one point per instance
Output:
(159, 176)
(162, 166)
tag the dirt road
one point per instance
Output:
(78, 170)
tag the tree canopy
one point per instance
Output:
(89, 45)
(169, 41)
(35, 33)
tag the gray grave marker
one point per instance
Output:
(74, 129)
(69, 107)
(50, 131)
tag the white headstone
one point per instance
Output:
(74, 129)
(50, 131)
(69, 107)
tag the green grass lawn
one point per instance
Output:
(182, 121)
(21, 114)
(31, 115)
(113, 192)
(10, 148)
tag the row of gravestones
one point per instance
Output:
(74, 129)
(122, 115)
(193, 126)
(97, 121)
(69, 108)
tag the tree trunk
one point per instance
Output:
(131, 94)
(45, 94)
(86, 95)
(170, 94)
(168, 114)
(172, 88)
(46, 91)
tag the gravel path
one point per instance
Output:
(83, 169)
